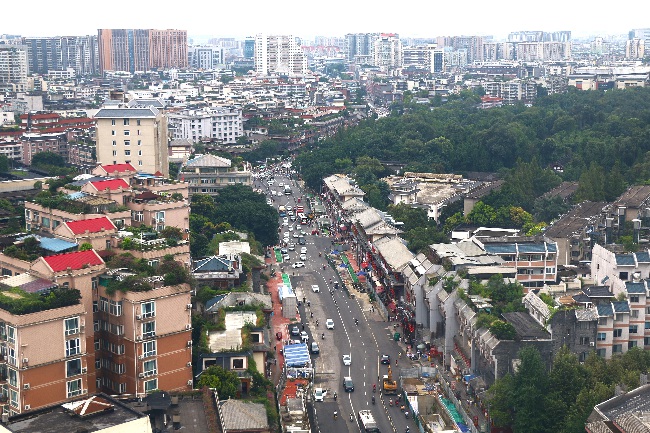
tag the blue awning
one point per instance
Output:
(296, 355)
(56, 245)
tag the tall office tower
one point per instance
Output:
(472, 44)
(249, 48)
(388, 52)
(167, 49)
(205, 56)
(123, 50)
(135, 135)
(635, 49)
(14, 67)
(360, 47)
(438, 60)
(279, 54)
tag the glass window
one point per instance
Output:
(127, 132)
(122, 389)
(618, 333)
(11, 356)
(112, 121)
(601, 336)
(149, 329)
(13, 398)
(13, 377)
(634, 329)
(127, 142)
(71, 326)
(149, 348)
(138, 122)
(115, 307)
(150, 367)
(151, 385)
(73, 367)
(72, 347)
(148, 309)
(126, 122)
(127, 152)
(634, 298)
(74, 387)
(11, 334)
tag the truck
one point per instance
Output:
(389, 385)
(287, 190)
(282, 211)
(368, 422)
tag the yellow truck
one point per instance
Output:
(389, 385)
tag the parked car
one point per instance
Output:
(329, 323)
(315, 288)
(347, 360)
(314, 348)
(294, 331)
(303, 256)
(304, 337)
(298, 265)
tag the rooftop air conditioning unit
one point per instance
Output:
(592, 344)
(141, 375)
(189, 343)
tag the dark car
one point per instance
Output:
(294, 331)
(385, 359)
(348, 385)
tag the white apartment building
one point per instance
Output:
(13, 65)
(388, 52)
(279, 54)
(205, 57)
(223, 123)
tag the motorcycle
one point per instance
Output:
(322, 336)
(373, 399)
(335, 395)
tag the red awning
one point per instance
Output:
(364, 264)
(392, 306)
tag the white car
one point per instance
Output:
(270, 182)
(329, 323)
(304, 337)
(281, 184)
(298, 265)
(296, 235)
(303, 257)
(290, 228)
(292, 247)
(347, 360)
(315, 288)
(289, 208)
(319, 394)
(303, 250)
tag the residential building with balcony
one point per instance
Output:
(98, 232)
(206, 174)
(221, 123)
(143, 337)
(223, 272)
(279, 54)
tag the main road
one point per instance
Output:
(365, 342)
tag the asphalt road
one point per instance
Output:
(365, 342)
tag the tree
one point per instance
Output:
(225, 382)
(530, 389)
(48, 159)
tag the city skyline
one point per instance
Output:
(335, 19)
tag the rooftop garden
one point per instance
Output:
(28, 250)
(146, 238)
(503, 297)
(60, 201)
(17, 301)
(138, 275)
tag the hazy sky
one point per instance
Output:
(228, 18)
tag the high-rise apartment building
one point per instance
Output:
(167, 49)
(360, 47)
(249, 48)
(123, 50)
(279, 54)
(205, 57)
(62, 52)
(134, 135)
(388, 52)
(635, 49)
(14, 67)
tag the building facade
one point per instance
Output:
(205, 57)
(206, 174)
(133, 135)
(167, 49)
(14, 66)
(279, 54)
(222, 123)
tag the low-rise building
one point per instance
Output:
(206, 174)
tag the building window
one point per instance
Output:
(115, 153)
(139, 162)
(148, 309)
(635, 314)
(137, 122)
(113, 132)
(114, 143)
(74, 388)
(126, 122)
(115, 308)
(238, 363)
(139, 142)
(618, 333)
(634, 298)
(127, 152)
(127, 142)
(71, 326)
(601, 336)
(149, 348)
(149, 329)
(151, 385)
(634, 329)
(122, 389)
(127, 132)
(72, 347)
(646, 341)
(617, 348)
(139, 153)
(73, 367)
(13, 377)
(150, 367)
(584, 341)
(13, 398)
(11, 334)
(112, 121)
(631, 344)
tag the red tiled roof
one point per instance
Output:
(111, 184)
(41, 116)
(93, 225)
(74, 261)
(112, 168)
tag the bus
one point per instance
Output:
(302, 218)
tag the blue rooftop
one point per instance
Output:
(625, 259)
(643, 257)
(605, 310)
(56, 245)
(501, 248)
(621, 307)
(532, 248)
(635, 287)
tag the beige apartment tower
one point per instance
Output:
(133, 135)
